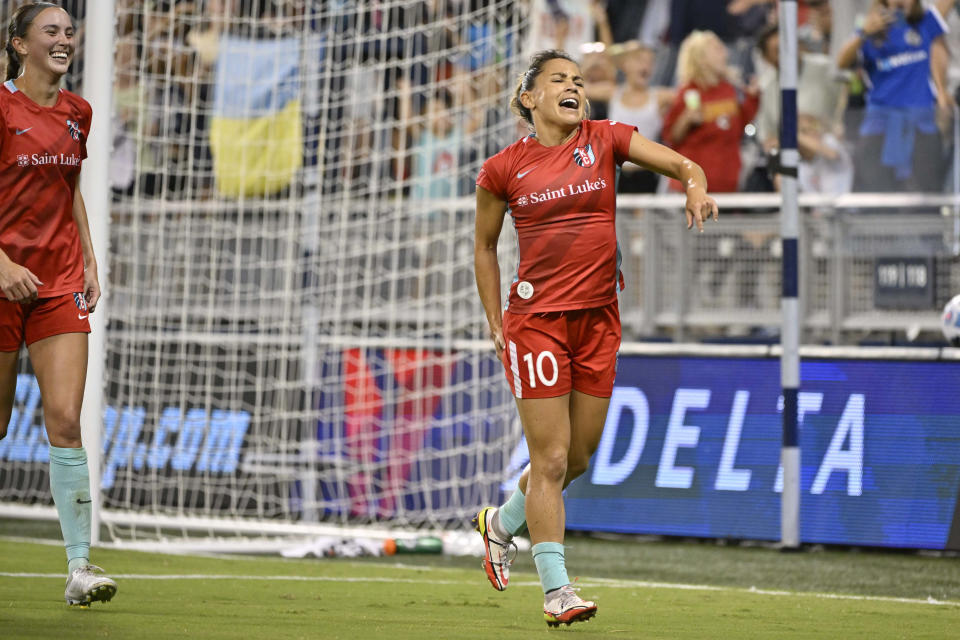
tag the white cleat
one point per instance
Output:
(499, 554)
(564, 606)
(88, 584)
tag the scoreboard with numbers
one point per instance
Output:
(904, 283)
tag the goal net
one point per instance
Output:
(294, 336)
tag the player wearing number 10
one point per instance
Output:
(48, 272)
(560, 331)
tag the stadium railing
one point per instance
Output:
(868, 263)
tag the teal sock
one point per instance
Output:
(548, 556)
(70, 486)
(513, 513)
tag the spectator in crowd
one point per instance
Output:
(626, 18)
(130, 129)
(600, 80)
(656, 23)
(706, 120)
(687, 16)
(601, 22)
(750, 18)
(814, 34)
(901, 48)
(823, 156)
(636, 103)
(175, 129)
(436, 140)
(845, 16)
(763, 144)
(768, 115)
(566, 24)
(735, 22)
(825, 164)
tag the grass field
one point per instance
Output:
(644, 589)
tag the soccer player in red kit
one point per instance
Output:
(48, 271)
(560, 331)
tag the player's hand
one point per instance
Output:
(699, 208)
(496, 334)
(18, 283)
(91, 287)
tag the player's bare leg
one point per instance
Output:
(497, 526)
(588, 415)
(8, 387)
(587, 418)
(546, 424)
(60, 364)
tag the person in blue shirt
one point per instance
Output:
(904, 56)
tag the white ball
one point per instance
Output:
(950, 322)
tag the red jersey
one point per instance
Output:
(714, 144)
(41, 149)
(563, 203)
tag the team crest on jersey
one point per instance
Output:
(913, 38)
(23, 160)
(584, 156)
(80, 301)
(74, 129)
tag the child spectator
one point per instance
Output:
(635, 102)
(825, 165)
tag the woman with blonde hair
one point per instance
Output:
(708, 114)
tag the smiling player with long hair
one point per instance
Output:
(559, 334)
(48, 271)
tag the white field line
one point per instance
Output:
(592, 583)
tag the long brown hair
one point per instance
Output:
(527, 78)
(17, 28)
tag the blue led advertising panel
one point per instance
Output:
(691, 447)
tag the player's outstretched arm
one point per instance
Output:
(664, 160)
(91, 281)
(489, 222)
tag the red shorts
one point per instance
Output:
(41, 319)
(548, 354)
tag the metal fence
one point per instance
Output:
(876, 267)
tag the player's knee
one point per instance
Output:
(550, 465)
(63, 426)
